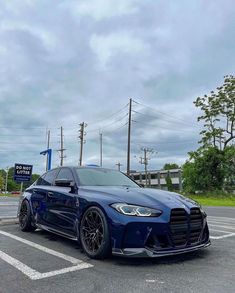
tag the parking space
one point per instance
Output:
(41, 261)
(221, 227)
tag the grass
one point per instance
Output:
(212, 200)
(9, 195)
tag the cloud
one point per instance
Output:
(107, 46)
(64, 62)
(102, 9)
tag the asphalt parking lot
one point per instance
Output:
(42, 262)
(8, 207)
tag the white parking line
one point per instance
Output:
(227, 224)
(43, 248)
(212, 229)
(223, 236)
(35, 275)
(222, 226)
(222, 219)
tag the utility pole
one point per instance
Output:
(101, 149)
(48, 146)
(62, 149)
(119, 166)
(81, 137)
(144, 160)
(129, 140)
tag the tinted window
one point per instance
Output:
(48, 178)
(103, 177)
(40, 180)
(65, 173)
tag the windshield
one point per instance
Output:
(103, 177)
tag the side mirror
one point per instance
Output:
(63, 182)
(66, 183)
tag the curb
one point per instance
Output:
(9, 221)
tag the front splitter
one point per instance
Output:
(144, 252)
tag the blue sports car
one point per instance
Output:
(108, 213)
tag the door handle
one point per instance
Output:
(50, 194)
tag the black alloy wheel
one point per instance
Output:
(25, 221)
(94, 233)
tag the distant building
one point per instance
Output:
(157, 178)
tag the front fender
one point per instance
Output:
(25, 196)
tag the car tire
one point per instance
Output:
(94, 234)
(25, 217)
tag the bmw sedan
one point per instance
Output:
(108, 213)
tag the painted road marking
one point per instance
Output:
(222, 222)
(35, 275)
(222, 218)
(223, 236)
(227, 225)
(154, 281)
(43, 248)
(212, 229)
(222, 226)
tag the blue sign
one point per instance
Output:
(49, 153)
(23, 172)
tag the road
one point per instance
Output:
(42, 262)
(8, 207)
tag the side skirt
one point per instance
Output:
(57, 232)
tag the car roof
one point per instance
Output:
(82, 167)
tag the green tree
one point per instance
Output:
(229, 168)
(218, 114)
(169, 166)
(205, 170)
(1, 183)
(13, 185)
(212, 166)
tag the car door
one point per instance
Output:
(61, 211)
(40, 195)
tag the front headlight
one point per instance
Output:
(132, 210)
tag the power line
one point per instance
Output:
(162, 119)
(105, 126)
(115, 129)
(162, 127)
(166, 142)
(160, 112)
(110, 116)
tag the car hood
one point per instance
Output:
(140, 196)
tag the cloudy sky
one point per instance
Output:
(65, 62)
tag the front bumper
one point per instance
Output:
(179, 232)
(145, 252)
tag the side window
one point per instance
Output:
(40, 180)
(48, 178)
(65, 173)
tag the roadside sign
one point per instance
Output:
(23, 172)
